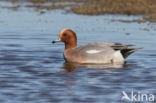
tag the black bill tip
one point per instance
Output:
(53, 42)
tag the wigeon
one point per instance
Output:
(93, 52)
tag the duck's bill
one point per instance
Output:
(58, 40)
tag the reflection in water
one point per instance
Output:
(31, 69)
(69, 67)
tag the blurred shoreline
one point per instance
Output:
(93, 7)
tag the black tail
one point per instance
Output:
(126, 52)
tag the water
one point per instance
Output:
(32, 70)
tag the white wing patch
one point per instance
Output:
(93, 51)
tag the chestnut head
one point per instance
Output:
(68, 37)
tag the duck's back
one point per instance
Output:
(94, 53)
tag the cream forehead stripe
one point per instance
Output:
(63, 30)
(93, 51)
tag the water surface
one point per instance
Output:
(32, 70)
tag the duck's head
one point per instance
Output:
(68, 37)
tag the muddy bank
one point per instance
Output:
(97, 7)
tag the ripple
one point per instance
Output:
(33, 70)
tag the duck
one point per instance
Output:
(96, 53)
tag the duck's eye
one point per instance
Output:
(64, 34)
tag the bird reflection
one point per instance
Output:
(70, 67)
